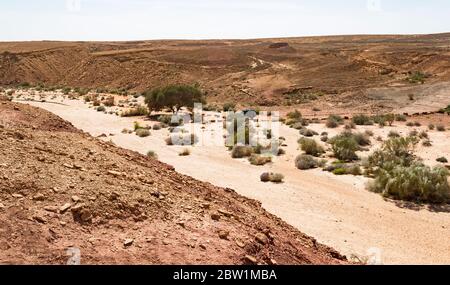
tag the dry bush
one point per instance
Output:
(259, 160)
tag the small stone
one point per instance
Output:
(18, 196)
(251, 259)
(115, 173)
(128, 242)
(64, 208)
(206, 205)
(224, 235)
(39, 219)
(262, 238)
(68, 166)
(39, 197)
(76, 199)
(240, 243)
(51, 209)
(181, 224)
(165, 242)
(202, 246)
(225, 213)
(2, 206)
(215, 217)
(62, 223)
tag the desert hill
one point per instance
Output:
(337, 69)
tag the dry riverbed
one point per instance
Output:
(336, 210)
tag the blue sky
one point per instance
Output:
(218, 19)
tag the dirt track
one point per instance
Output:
(338, 211)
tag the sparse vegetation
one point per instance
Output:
(272, 177)
(229, 107)
(344, 147)
(362, 120)
(259, 160)
(101, 109)
(135, 112)
(399, 175)
(142, 133)
(340, 168)
(311, 147)
(400, 118)
(240, 151)
(440, 128)
(393, 134)
(308, 132)
(417, 77)
(334, 121)
(304, 162)
(152, 154)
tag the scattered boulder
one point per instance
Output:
(224, 235)
(262, 238)
(128, 242)
(81, 214)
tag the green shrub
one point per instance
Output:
(229, 107)
(259, 160)
(240, 151)
(423, 135)
(135, 112)
(350, 126)
(417, 77)
(400, 118)
(344, 147)
(339, 171)
(142, 133)
(272, 177)
(295, 115)
(152, 154)
(393, 134)
(311, 147)
(362, 120)
(308, 132)
(361, 139)
(334, 121)
(416, 182)
(157, 127)
(305, 162)
(395, 151)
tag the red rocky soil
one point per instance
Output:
(61, 188)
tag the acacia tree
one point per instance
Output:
(173, 97)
